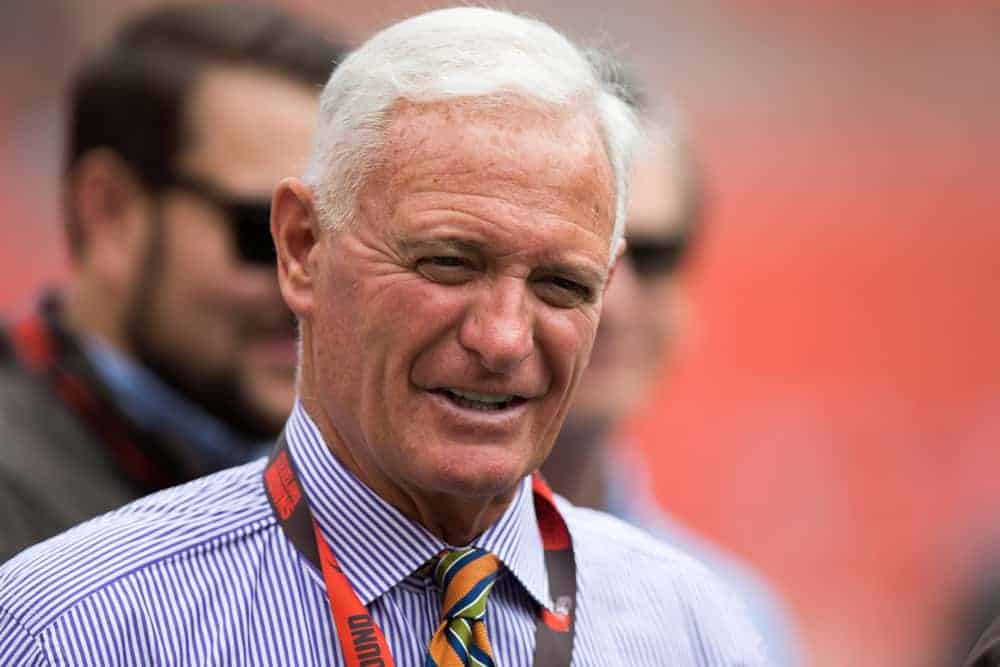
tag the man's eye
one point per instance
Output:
(447, 269)
(563, 292)
(445, 260)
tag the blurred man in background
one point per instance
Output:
(642, 311)
(172, 353)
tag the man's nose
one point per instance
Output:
(498, 327)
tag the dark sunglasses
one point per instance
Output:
(653, 257)
(250, 219)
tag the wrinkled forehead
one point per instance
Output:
(554, 158)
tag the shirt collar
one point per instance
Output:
(377, 546)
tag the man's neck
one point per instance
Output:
(90, 314)
(576, 467)
(458, 520)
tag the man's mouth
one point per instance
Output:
(484, 402)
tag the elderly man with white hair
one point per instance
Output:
(446, 256)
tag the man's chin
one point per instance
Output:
(477, 477)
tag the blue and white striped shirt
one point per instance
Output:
(202, 574)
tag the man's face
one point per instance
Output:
(203, 317)
(450, 324)
(640, 306)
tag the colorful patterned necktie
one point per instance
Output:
(466, 576)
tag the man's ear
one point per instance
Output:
(617, 252)
(110, 214)
(295, 230)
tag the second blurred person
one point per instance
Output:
(172, 353)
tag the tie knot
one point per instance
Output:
(466, 576)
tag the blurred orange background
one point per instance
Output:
(833, 412)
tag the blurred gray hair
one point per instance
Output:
(451, 54)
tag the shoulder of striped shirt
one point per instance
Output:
(603, 540)
(44, 582)
(618, 537)
(614, 538)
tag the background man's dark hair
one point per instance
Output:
(131, 96)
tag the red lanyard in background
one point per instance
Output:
(361, 639)
(43, 349)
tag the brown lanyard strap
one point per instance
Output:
(361, 639)
(45, 351)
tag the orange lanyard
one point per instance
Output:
(361, 639)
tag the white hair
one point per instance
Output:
(450, 54)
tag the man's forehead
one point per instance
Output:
(234, 139)
(656, 201)
(449, 123)
(482, 149)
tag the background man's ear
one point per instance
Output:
(295, 230)
(110, 212)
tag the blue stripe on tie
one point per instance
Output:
(480, 656)
(457, 646)
(429, 661)
(470, 557)
(471, 596)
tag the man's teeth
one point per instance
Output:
(482, 398)
(471, 399)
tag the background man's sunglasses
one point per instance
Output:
(653, 257)
(250, 219)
